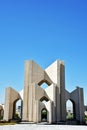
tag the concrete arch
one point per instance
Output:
(11, 96)
(44, 114)
(67, 95)
(74, 107)
(17, 114)
(44, 98)
(44, 81)
(40, 92)
(76, 96)
(44, 107)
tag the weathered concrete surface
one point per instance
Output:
(11, 96)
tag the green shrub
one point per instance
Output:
(16, 117)
(85, 117)
(1, 117)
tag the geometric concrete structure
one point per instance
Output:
(78, 103)
(11, 96)
(47, 104)
(54, 93)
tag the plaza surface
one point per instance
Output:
(42, 127)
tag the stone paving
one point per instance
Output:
(42, 127)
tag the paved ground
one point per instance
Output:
(42, 127)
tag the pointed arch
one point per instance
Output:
(44, 81)
(44, 99)
(17, 109)
(44, 115)
(70, 109)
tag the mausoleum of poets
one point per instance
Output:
(51, 101)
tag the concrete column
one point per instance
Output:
(62, 92)
(26, 92)
(81, 105)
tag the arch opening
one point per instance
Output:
(44, 115)
(70, 110)
(44, 81)
(44, 99)
(1, 112)
(43, 84)
(17, 109)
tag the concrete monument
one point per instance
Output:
(47, 104)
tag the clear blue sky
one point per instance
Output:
(43, 30)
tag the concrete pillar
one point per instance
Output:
(56, 72)
(81, 105)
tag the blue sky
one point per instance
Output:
(43, 30)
